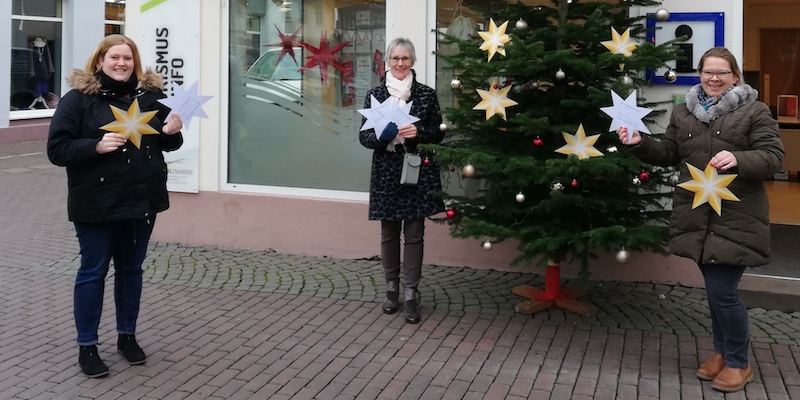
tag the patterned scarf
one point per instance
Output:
(707, 109)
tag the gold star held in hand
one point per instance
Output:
(495, 101)
(494, 41)
(579, 144)
(131, 124)
(709, 187)
(621, 44)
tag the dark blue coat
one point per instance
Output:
(128, 183)
(388, 199)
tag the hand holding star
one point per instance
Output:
(174, 124)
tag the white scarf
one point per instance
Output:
(400, 90)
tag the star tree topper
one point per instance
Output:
(495, 100)
(626, 114)
(131, 124)
(579, 144)
(709, 187)
(186, 103)
(494, 41)
(620, 44)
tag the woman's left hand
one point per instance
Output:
(173, 125)
(408, 131)
(723, 160)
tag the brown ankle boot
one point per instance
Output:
(732, 379)
(709, 370)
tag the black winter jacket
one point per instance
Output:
(128, 183)
(388, 199)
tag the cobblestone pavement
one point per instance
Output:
(229, 323)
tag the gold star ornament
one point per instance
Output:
(131, 124)
(579, 144)
(495, 40)
(620, 44)
(495, 101)
(709, 187)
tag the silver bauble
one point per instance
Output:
(557, 187)
(623, 256)
(442, 127)
(560, 74)
(673, 179)
(670, 76)
(535, 85)
(520, 197)
(636, 181)
(456, 84)
(662, 14)
(626, 80)
(468, 171)
(521, 24)
(487, 245)
(612, 149)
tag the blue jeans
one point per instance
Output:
(729, 320)
(126, 243)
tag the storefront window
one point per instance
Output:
(299, 70)
(115, 16)
(35, 54)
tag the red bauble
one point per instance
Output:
(426, 161)
(452, 169)
(644, 176)
(574, 183)
(451, 214)
(496, 86)
(537, 142)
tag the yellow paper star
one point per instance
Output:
(579, 144)
(709, 187)
(131, 124)
(494, 41)
(621, 44)
(495, 101)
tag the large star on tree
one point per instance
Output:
(324, 55)
(287, 44)
(709, 187)
(131, 124)
(620, 44)
(579, 144)
(495, 101)
(494, 41)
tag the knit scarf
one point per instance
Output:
(400, 90)
(118, 87)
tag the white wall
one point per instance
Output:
(5, 63)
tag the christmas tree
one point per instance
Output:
(529, 126)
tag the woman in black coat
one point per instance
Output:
(396, 205)
(117, 184)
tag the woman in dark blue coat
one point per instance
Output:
(117, 184)
(398, 206)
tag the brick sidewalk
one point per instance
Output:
(227, 324)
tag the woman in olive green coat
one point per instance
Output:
(722, 125)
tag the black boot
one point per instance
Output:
(127, 346)
(411, 298)
(90, 362)
(392, 294)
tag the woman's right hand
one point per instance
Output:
(635, 138)
(110, 142)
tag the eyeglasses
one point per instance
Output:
(399, 59)
(720, 74)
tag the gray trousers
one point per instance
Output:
(413, 232)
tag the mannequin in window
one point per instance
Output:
(41, 70)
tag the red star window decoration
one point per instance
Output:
(287, 44)
(324, 56)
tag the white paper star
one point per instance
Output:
(620, 44)
(131, 124)
(494, 41)
(709, 187)
(186, 103)
(495, 101)
(626, 114)
(380, 114)
(579, 144)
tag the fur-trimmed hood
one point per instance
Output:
(87, 83)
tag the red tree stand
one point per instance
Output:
(552, 295)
